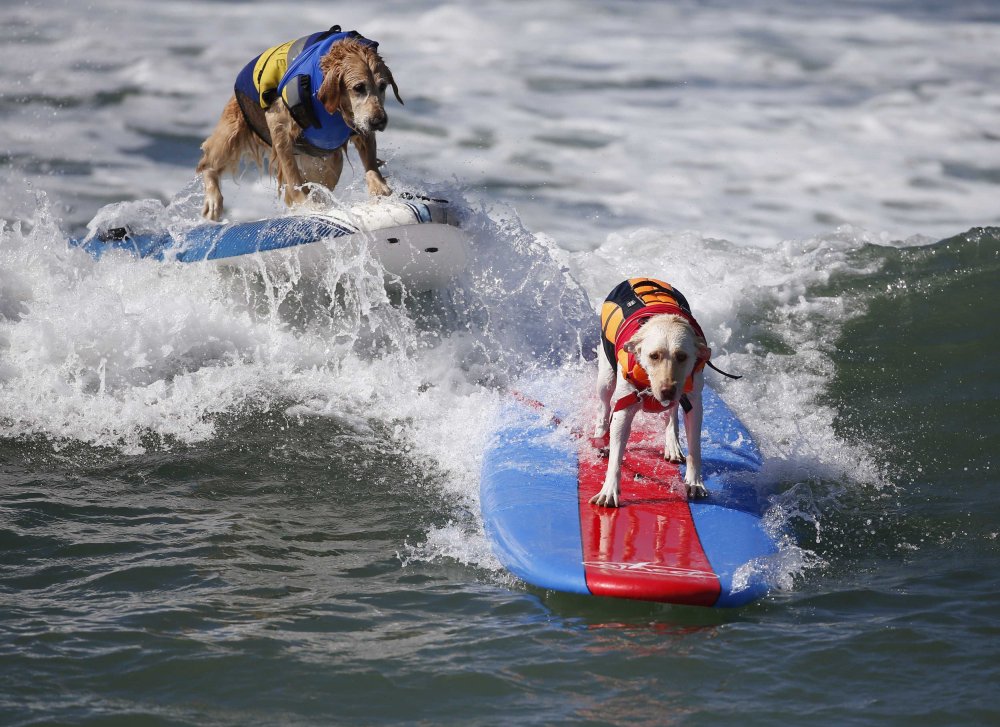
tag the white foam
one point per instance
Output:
(108, 353)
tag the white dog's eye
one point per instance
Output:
(681, 357)
(655, 356)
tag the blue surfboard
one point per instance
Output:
(538, 477)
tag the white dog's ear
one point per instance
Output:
(329, 91)
(704, 352)
(632, 347)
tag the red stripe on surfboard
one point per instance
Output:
(648, 548)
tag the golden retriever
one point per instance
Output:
(354, 81)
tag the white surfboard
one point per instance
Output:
(417, 239)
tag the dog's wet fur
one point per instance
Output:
(354, 83)
(668, 348)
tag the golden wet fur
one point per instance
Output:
(354, 83)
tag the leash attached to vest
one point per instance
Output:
(724, 373)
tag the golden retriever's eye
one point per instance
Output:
(382, 86)
(359, 88)
(681, 357)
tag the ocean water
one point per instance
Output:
(231, 498)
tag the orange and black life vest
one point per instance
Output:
(625, 310)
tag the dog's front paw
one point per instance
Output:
(673, 455)
(607, 497)
(601, 441)
(212, 209)
(317, 198)
(295, 196)
(376, 184)
(696, 489)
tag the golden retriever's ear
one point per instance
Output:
(395, 88)
(329, 91)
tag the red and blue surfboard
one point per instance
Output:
(538, 476)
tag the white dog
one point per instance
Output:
(659, 352)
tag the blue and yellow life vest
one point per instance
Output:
(291, 71)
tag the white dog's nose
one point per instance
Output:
(667, 393)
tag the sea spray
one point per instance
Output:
(130, 353)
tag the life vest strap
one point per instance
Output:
(626, 401)
(643, 397)
(297, 97)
